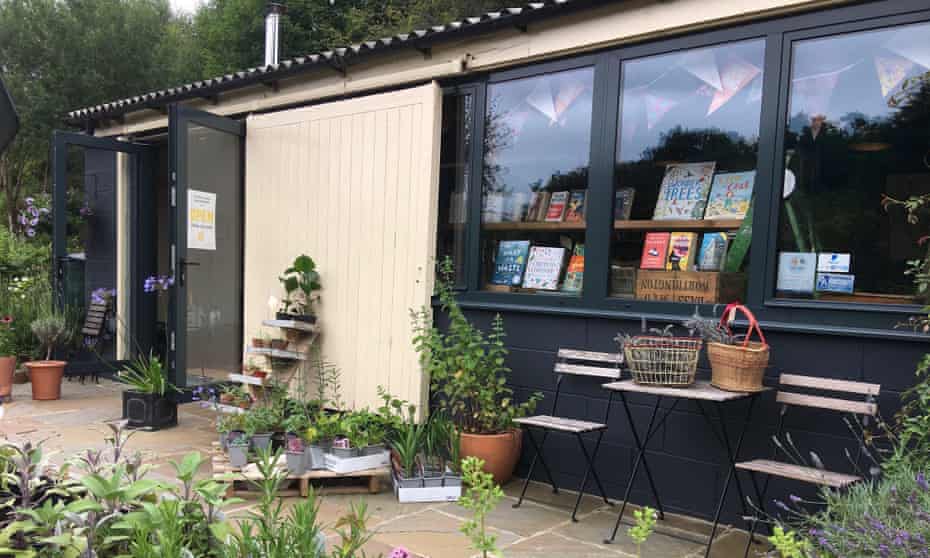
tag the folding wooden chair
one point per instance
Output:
(573, 363)
(811, 475)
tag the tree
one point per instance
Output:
(65, 54)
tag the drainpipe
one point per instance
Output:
(272, 19)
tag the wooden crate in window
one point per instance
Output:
(693, 287)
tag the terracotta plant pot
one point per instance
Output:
(45, 376)
(500, 452)
(259, 343)
(279, 344)
(7, 368)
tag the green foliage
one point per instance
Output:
(261, 420)
(481, 496)
(643, 527)
(788, 545)
(53, 330)
(407, 442)
(145, 374)
(466, 368)
(911, 431)
(299, 282)
(23, 299)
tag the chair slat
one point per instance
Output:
(582, 370)
(549, 422)
(809, 475)
(829, 384)
(831, 403)
(572, 354)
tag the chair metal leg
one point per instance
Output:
(542, 460)
(761, 498)
(529, 474)
(589, 458)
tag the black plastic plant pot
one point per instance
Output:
(149, 411)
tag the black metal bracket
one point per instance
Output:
(427, 52)
(273, 85)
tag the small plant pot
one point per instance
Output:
(233, 435)
(451, 479)
(45, 376)
(279, 344)
(259, 374)
(261, 441)
(315, 456)
(259, 343)
(296, 463)
(345, 452)
(226, 398)
(238, 455)
(407, 482)
(432, 476)
(372, 449)
(7, 369)
(294, 443)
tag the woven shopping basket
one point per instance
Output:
(739, 367)
(663, 361)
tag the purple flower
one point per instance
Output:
(29, 200)
(34, 211)
(30, 232)
(399, 552)
(922, 481)
(22, 219)
(795, 499)
(782, 505)
(34, 221)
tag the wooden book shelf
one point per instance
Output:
(631, 225)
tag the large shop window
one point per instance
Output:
(537, 142)
(454, 177)
(685, 173)
(858, 133)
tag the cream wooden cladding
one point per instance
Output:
(353, 184)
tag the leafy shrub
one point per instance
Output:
(468, 377)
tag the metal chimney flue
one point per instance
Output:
(272, 21)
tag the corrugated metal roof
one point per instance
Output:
(337, 57)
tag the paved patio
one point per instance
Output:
(539, 528)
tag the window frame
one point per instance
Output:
(842, 318)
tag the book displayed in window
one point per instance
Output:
(655, 250)
(623, 203)
(730, 195)
(681, 248)
(544, 268)
(576, 207)
(574, 273)
(684, 191)
(713, 251)
(493, 210)
(510, 263)
(558, 205)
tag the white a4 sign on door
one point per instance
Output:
(201, 220)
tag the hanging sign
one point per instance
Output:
(201, 220)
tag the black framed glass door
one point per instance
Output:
(101, 242)
(205, 308)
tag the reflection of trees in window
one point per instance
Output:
(498, 136)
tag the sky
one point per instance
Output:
(186, 6)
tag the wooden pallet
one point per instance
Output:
(242, 484)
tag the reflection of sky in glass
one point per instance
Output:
(855, 74)
(543, 127)
(711, 88)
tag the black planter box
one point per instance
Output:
(149, 411)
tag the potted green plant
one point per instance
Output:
(295, 426)
(239, 452)
(467, 373)
(260, 423)
(434, 442)
(148, 403)
(53, 331)
(300, 280)
(319, 439)
(406, 445)
(7, 356)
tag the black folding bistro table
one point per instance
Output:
(701, 392)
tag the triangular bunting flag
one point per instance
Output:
(891, 72)
(568, 93)
(540, 98)
(811, 94)
(656, 108)
(703, 65)
(909, 43)
(735, 76)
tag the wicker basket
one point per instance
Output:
(739, 367)
(663, 361)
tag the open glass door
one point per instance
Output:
(102, 244)
(205, 310)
